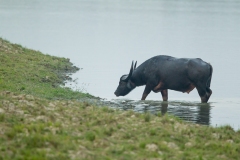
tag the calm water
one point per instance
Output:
(103, 37)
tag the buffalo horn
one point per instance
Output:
(130, 73)
(135, 65)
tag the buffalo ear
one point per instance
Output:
(135, 65)
(130, 73)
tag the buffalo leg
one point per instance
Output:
(164, 94)
(209, 93)
(204, 93)
(147, 90)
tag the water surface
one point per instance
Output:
(213, 113)
(103, 37)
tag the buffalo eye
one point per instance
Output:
(121, 82)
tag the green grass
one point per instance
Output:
(40, 120)
(27, 71)
(68, 129)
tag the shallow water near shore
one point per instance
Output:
(103, 37)
(213, 113)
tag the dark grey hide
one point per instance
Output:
(161, 73)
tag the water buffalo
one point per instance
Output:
(161, 73)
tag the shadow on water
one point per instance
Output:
(189, 111)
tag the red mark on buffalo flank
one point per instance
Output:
(158, 87)
(190, 88)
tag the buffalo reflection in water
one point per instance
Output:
(189, 111)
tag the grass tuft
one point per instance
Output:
(147, 117)
(90, 136)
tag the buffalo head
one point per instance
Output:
(125, 84)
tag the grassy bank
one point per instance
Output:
(27, 71)
(40, 120)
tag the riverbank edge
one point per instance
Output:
(48, 121)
